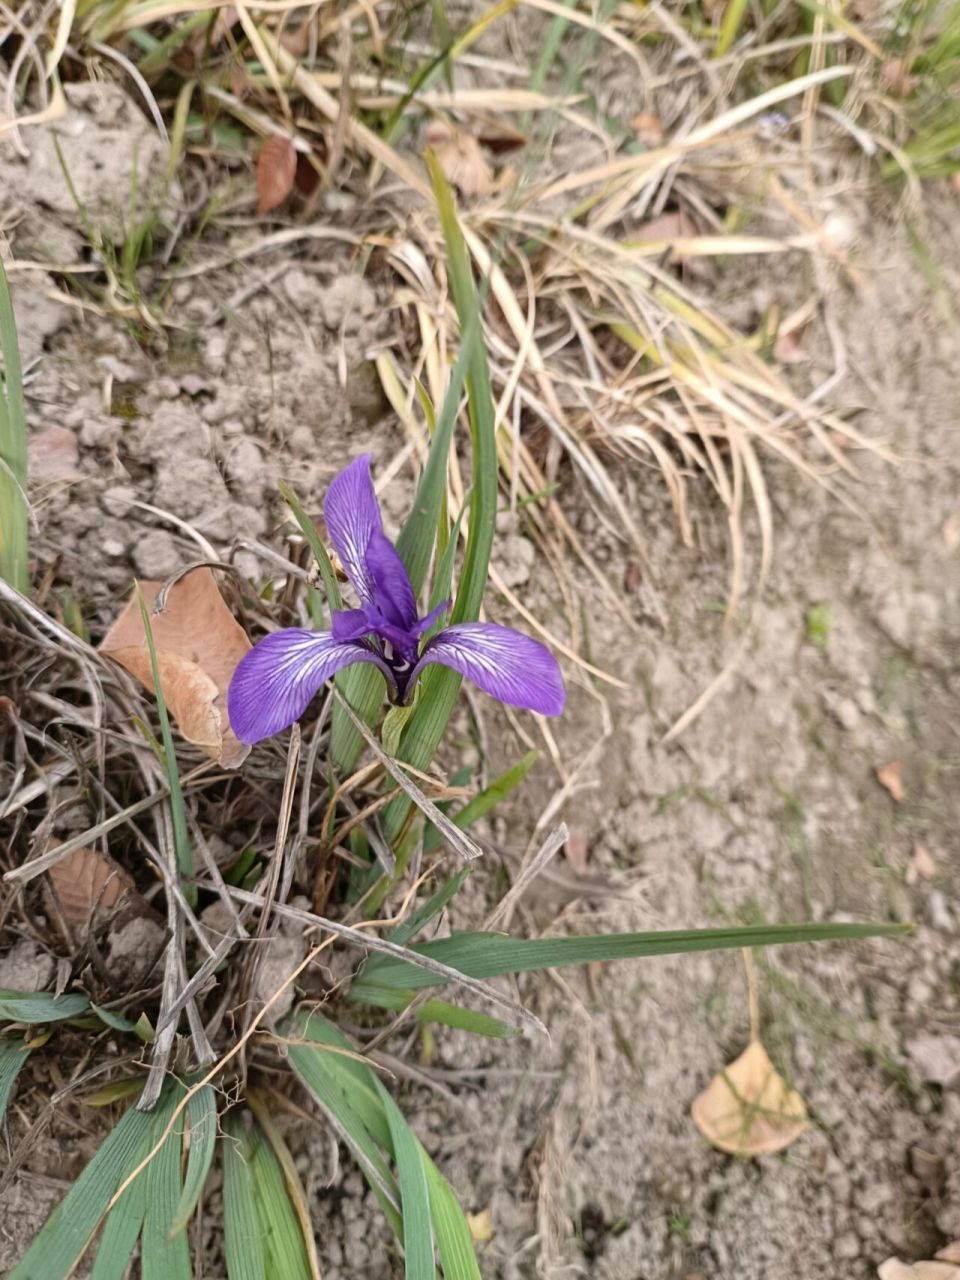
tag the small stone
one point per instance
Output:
(847, 1247)
(116, 500)
(25, 967)
(167, 388)
(346, 302)
(245, 467)
(156, 555)
(515, 559)
(100, 433)
(934, 1059)
(113, 548)
(938, 913)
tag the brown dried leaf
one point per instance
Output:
(461, 159)
(896, 75)
(276, 170)
(923, 862)
(648, 128)
(666, 229)
(53, 455)
(789, 348)
(748, 1109)
(891, 778)
(198, 643)
(86, 883)
(575, 851)
(949, 1252)
(894, 1269)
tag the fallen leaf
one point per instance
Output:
(949, 1252)
(667, 229)
(461, 159)
(891, 778)
(307, 176)
(276, 170)
(501, 138)
(789, 348)
(894, 1269)
(481, 1226)
(748, 1109)
(53, 455)
(648, 128)
(87, 884)
(934, 1059)
(198, 643)
(575, 851)
(896, 74)
(923, 863)
(951, 531)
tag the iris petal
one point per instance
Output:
(275, 682)
(353, 518)
(393, 593)
(502, 662)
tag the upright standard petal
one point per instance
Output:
(502, 662)
(393, 593)
(274, 684)
(353, 517)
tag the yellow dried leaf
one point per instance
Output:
(481, 1226)
(461, 159)
(891, 778)
(748, 1109)
(198, 643)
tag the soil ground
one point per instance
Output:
(767, 808)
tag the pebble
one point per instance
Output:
(156, 555)
(938, 913)
(847, 1246)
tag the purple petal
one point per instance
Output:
(424, 625)
(275, 682)
(393, 594)
(502, 662)
(353, 517)
(350, 624)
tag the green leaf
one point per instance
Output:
(69, 1228)
(364, 688)
(124, 1221)
(349, 1097)
(486, 800)
(448, 1015)
(13, 451)
(114, 1020)
(202, 1112)
(286, 1252)
(454, 1241)
(419, 1263)
(243, 1233)
(165, 1252)
(40, 1006)
(178, 813)
(490, 955)
(432, 907)
(13, 1055)
(309, 531)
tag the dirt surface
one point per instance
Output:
(767, 808)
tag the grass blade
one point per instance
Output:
(486, 800)
(121, 1231)
(286, 1251)
(489, 955)
(40, 1006)
(432, 907)
(165, 1253)
(13, 1054)
(202, 1110)
(419, 1263)
(454, 1241)
(13, 451)
(243, 1236)
(181, 837)
(69, 1228)
(448, 1015)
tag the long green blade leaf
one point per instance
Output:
(489, 955)
(13, 451)
(488, 799)
(453, 1234)
(419, 1263)
(202, 1112)
(40, 1006)
(124, 1221)
(70, 1227)
(165, 1253)
(13, 1055)
(243, 1234)
(448, 1015)
(283, 1238)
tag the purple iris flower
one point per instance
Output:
(275, 682)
